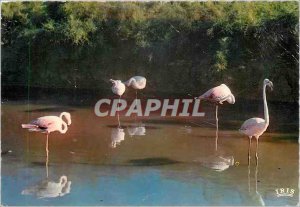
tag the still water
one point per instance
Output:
(149, 161)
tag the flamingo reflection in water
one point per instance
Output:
(255, 197)
(136, 130)
(49, 189)
(217, 161)
(117, 136)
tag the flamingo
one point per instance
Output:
(218, 95)
(48, 124)
(136, 82)
(257, 126)
(118, 88)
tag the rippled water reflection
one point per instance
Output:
(151, 161)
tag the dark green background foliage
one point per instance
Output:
(182, 47)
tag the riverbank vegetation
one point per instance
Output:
(185, 47)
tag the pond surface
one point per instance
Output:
(150, 161)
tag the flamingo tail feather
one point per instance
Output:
(29, 126)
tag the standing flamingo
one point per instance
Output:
(118, 88)
(136, 82)
(218, 95)
(257, 126)
(48, 124)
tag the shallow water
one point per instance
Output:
(151, 161)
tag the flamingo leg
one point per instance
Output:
(118, 113)
(256, 153)
(217, 131)
(216, 144)
(256, 172)
(135, 94)
(47, 153)
(249, 184)
(135, 104)
(249, 164)
(249, 151)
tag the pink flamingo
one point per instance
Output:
(218, 95)
(257, 126)
(48, 124)
(118, 88)
(136, 82)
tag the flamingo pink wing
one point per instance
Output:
(215, 94)
(44, 122)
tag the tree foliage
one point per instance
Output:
(187, 45)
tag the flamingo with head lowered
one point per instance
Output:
(218, 95)
(118, 88)
(255, 127)
(48, 124)
(136, 82)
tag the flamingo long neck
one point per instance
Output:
(64, 127)
(266, 111)
(67, 117)
(62, 114)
